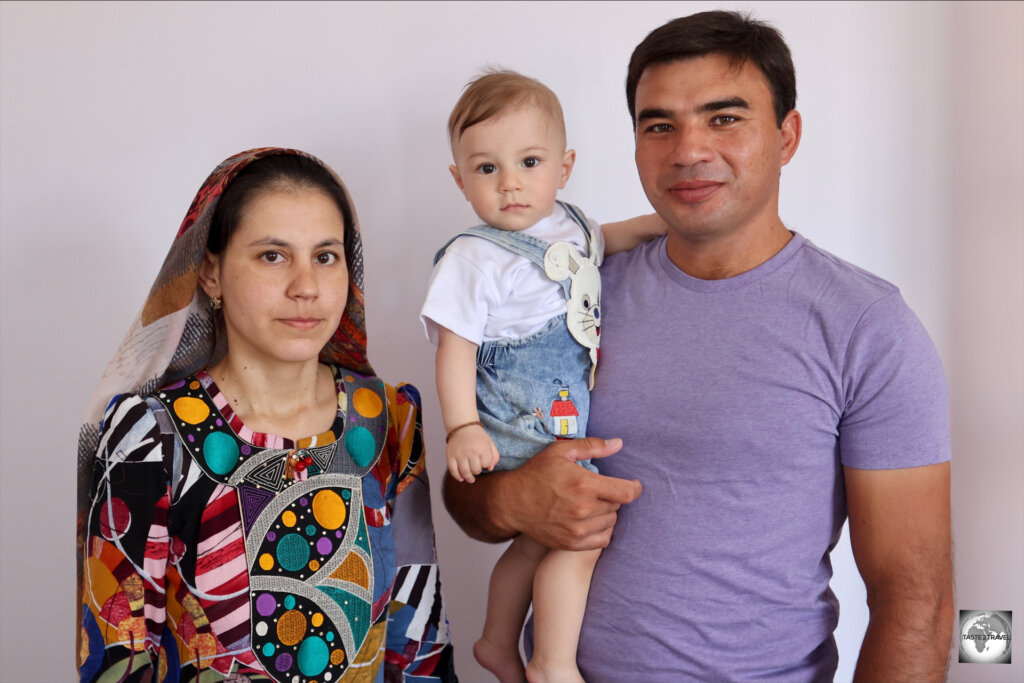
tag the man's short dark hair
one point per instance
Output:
(733, 34)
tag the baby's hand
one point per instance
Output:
(469, 452)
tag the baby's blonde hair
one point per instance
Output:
(498, 90)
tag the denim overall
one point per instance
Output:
(532, 390)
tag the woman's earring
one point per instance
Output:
(215, 303)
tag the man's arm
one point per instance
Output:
(900, 534)
(551, 499)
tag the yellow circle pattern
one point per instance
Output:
(329, 509)
(266, 562)
(367, 403)
(314, 565)
(288, 518)
(191, 410)
(317, 620)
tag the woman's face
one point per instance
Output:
(282, 277)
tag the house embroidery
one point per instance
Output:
(564, 416)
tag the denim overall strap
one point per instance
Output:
(577, 216)
(527, 246)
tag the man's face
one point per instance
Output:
(708, 149)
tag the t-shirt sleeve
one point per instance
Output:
(458, 296)
(897, 397)
(418, 642)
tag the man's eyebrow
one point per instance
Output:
(716, 105)
(727, 103)
(653, 113)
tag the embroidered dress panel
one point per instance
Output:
(302, 519)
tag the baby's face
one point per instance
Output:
(512, 166)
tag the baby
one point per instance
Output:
(514, 308)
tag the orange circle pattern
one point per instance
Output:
(367, 403)
(291, 627)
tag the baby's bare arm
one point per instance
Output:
(625, 235)
(469, 450)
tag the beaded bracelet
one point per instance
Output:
(468, 424)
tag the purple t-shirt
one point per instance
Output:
(739, 401)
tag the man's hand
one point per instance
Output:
(551, 499)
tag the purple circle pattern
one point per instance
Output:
(266, 604)
(283, 661)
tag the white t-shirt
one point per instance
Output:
(484, 292)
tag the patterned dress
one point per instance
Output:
(215, 553)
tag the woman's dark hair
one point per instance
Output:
(736, 35)
(269, 174)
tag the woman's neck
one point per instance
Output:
(293, 400)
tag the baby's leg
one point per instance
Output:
(508, 600)
(559, 601)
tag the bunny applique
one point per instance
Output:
(563, 264)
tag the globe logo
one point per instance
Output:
(985, 637)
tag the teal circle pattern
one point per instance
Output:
(268, 650)
(361, 445)
(289, 602)
(221, 452)
(313, 656)
(292, 552)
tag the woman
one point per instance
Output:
(254, 505)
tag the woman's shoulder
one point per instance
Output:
(127, 408)
(141, 416)
(347, 378)
(132, 426)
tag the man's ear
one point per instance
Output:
(209, 275)
(790, 129)
(568, 159)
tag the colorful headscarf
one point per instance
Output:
(173, 336)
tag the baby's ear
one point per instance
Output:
(457, 176)
(568, 159)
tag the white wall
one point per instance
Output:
(986, 346)
(112, 114)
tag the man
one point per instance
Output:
(764, 391)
